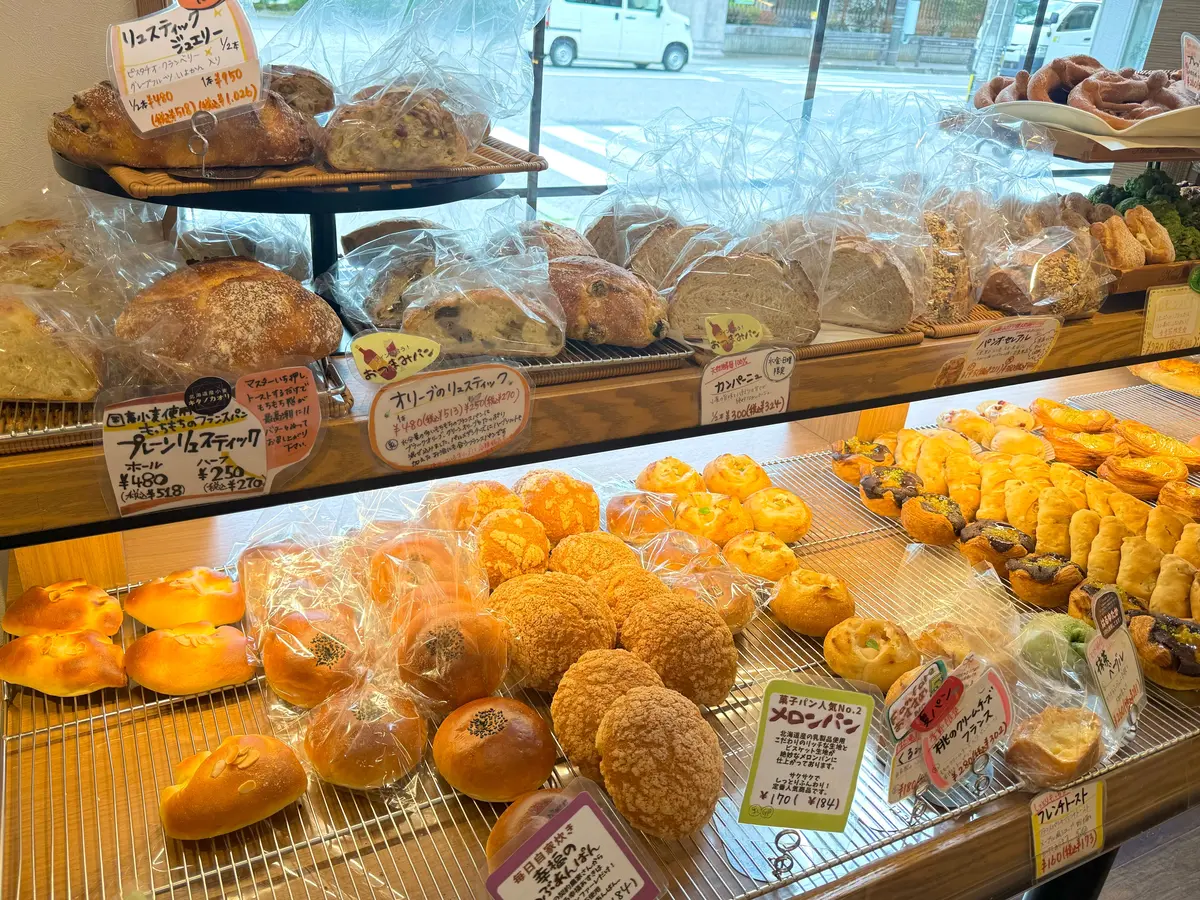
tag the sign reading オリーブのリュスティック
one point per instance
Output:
(191, 57)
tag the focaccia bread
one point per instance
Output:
(778, 294)
(302, 89)
(868, 287)
(38, 363)
(487, 320)
(231, 315)
(605, 304)
(402, 127)
(95, 131)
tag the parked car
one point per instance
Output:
(1067, 30)
(638, 31)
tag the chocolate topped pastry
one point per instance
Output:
(1043, 579)
(1167, 648)
(1079, 604)
(994, 543)
(932, 519)
(885, 488)
(853, 458)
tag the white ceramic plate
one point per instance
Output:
(1176, 123)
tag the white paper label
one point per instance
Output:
(980, 719)
(1114, 665)
(1172, 319)
(454, 415)
(196, 55)
(806, 759)
(1067, 826)
(746, 385)
(907, 770)
(912, 699)
(577, 854)
(1191, 62)
(1010, 347)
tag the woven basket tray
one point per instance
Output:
(975, 320)
(493, 157)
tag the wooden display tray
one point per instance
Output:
(1157, 275)
(493, 157)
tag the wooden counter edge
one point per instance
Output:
(991, 855)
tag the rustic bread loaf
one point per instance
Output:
(355, 239)
(486, 320)
(778, 294)
(95, 131)
(23, 229)
(617, 231)
(402, 127)
(557, 240)
(40, 262)
(39, 363)
(302, 89)
(605, 304)
(670, 248)
(231, 315)
(867, 287)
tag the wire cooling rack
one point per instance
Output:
(82, 776)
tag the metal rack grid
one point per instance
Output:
(580, 361)
(81, 776)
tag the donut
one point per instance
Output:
(986, 95)
(1053, 82)
(1018, 90)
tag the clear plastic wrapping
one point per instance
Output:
(48, 349)
(737, 596)
(1056, 272)
(279, 241)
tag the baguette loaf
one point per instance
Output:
(37, 363)
(778, 294)
(605, 304)
(95, 131)
(231, 315)
(487, 320)
(868, 287)
(302, 89)
(246, 779)
(617, 231)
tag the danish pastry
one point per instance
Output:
(735, 475)
(871, 650)
(1146, 441)
(1017, 440)
(932, 519)
(1166, 647)
(1142, 476)
(1050, 413)
(1003, 414)
(885, 489)
(969, 424)
(1084, 450)
(1181, 497)
(1043, 579)
(994, 543)
(853, 458)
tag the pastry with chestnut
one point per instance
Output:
(853, 458)
(932, 519)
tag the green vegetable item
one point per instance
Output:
(1187, 246)
(1056, 645)
(1167, 191)
(1141, 184)
(1107, 193)
(1125, 205)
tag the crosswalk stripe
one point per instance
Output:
(590, 142)
(562, 163)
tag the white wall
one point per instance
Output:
(39, 71)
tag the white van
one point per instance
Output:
(637, 31)
(1067, 30)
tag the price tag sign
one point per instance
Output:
(806, 759)
(1067, 826)
(210, 441)
(1172, 319)
(1113, 660)
(745, 385)
(578, 853)
(914, 698)
(981, 718)
(455, 415)
(1003, 349)
(907, 770)
(195, 55)
(386, 356)
(1191, 62)
(732, 333)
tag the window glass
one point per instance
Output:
(616, 3)
(647, 5)
(1079, 19)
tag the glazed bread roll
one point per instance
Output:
(931, 465)
(638, 517)
(871, 650)
(1071, 482)
(1085, 526)
(1138, 572)
(63, 665)
(189, 595)
(365, 739)
(780, 512)
(811, 602)
(760, 553)
(963, 481)
(969, 424)
(1032, 469)
(908, 448)
(521, 821)
(1003, 414)
(1164, 528)
(994, 474)
(190, 659)
(1098, 493)
(1133, 513)
(735, 475)
(246, 779)
(494, 750)
(1021, 505)
(71, 605)
(1188, 545)
(308, 655)
(1053, 522)
(717, 517)
(670, 476)
(452, 652)
(264, 568)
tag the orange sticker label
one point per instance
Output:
(732, 333)
(386, 356)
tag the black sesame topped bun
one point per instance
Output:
(885, 488)
(853, 458)
(494, 749)
(994, 543)
(1167, 649)
(1043, 579)
(932, 519)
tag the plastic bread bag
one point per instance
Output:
(736, 595)
(620, 219)
(1057, 273)
(279, 241)
(636, 517)
(370, 284)
(463, 505)
(674, 551)
(501, 306)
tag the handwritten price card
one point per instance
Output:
(1172, 319)
(455, 415)
(196, 55)
(578, 853)
(977, 722)
(806, 760)
(1113, 660)
(1191, 62)
(285, 401)
(745, 385)
(907, 769)
(166, 451)
(905, 709)
(1067, 826)
(1010, 347)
